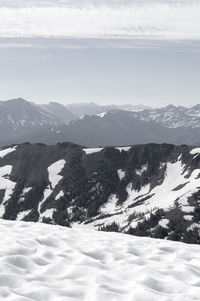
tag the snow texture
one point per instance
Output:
(89, 151)
(54, 178)
(6, 151)
(139, 172)
(59, 195)
(195, 151)
(7, 185)
(46, 262)
(101, 115)
(161, 196)
(163, 223)
(54, 171)
(123, 148)
(22, 214)
(121, 174)
(110, 206)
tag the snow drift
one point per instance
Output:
(45, 262)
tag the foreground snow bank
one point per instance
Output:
(53, 263)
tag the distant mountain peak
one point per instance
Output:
(14, 100)
(170, 106)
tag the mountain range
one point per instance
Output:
(146, 190)
(19, 119)
(91, 108)
(23, 121)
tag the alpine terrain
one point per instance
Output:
(147, 190)
(93, 125)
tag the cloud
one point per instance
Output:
(134, 20)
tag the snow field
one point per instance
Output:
(6, 151)
(54, 178)
(195, 151)
(89, 151)
(45, 262)
(101, 115)
(175, 186)
(6, 184)
(54, 171)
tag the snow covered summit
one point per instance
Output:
(53, 263)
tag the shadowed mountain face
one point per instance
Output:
(59, 111)
(149, 190)
(117, 128)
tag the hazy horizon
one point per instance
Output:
(109, 52)
(97, 103)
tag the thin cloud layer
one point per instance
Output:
(162, 20)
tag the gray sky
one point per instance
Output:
(112, 51)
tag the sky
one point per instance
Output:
(106, 51)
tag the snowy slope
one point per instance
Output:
(149, 190)
(169, 116)
(20, 119)
(172, 116)
(18, 114)
(53, 263)
(177, 186)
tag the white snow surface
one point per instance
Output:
(24, 192)
(59, 195)
(121, 174)
(164, 223)
(54, 171)
(176, 186)
(22, 214)
(123, 148)
(7, 185)
(195, 151)
(89, 151)
(110, 205)
(140, 171)
(101, 115)
(6, 151)
(54, 178)
(54, 263)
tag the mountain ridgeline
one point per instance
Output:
(22, 121)
(146, 190)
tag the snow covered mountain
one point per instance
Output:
(119, 127)
(19, 113)
(108, 128)
(20, 119)
(44, 262)
(146, 190)
(172, 116)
